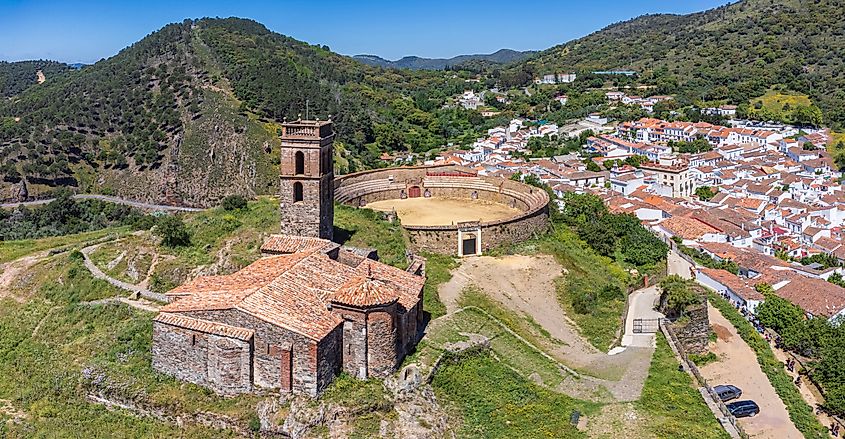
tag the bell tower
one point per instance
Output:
(306, 194)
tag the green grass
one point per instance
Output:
(11, 250)
(775, 100)
(512, 351)
(586, 272)
(670, 405)
(41, 372)
(703, 359)
(493, 401)
(438, 270)
(366, 228)
(800, 412)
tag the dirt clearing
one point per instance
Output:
(526, 285)
(438, 211)
(738, 366)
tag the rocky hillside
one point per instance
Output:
(734, 52)
(189, 114)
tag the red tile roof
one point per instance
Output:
(294, 291)
(205, 326)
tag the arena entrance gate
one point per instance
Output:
(469, 238)
(414, 192)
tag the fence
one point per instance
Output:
(688, 365)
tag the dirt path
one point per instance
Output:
(738, 365)
(13, 269)
(525, 284)
(138, 290)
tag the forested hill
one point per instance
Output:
(16, 77)
(501, 56)
(190, 113)
(734, 52)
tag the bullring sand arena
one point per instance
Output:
(449, 209)
(437, 211)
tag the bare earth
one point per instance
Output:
(525, 284)
(10, 271)
(738, 366)
(437, 211)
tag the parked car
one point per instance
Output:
(727, 392)
(741, 409)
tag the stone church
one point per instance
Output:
(304, 312)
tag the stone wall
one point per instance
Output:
(216, 362)
(314, 215)
(270, 342)
(693, 332)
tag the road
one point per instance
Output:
(640, 306)
(111, 199)
(738, 365)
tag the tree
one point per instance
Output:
(705, 193)
(580, 207)
(677, 295)
(172, 231)
(776, 312)
(233, 202)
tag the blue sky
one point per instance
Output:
(90, 30)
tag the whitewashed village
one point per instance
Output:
(767, 196)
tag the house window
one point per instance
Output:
(297, 192)
(299, 163)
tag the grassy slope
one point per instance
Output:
(41, 373)
(585, 269)
(11, 250)
(495, 402)
(672, 407)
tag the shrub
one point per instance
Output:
(172, 231)
(233, 202)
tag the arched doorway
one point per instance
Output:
(414, 192)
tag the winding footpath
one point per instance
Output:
(137, 290)
(110, 199)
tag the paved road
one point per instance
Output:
(678, 265)
(640, 306)
(131, 203)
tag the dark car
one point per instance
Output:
(741, 409)
(727, 392)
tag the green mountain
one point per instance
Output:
(15, 77)
(189, 114)
(501, 56)
(734, 52)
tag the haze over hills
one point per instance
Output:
(733, 53)
(501, 56)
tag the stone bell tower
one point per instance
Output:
(306, 194)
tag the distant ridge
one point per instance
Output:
(501, 56)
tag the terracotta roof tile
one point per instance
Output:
(205, 326)
(293, 291)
